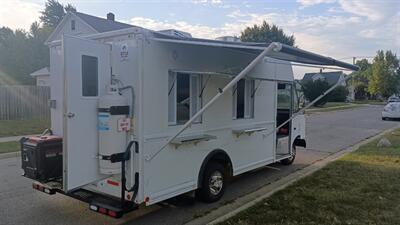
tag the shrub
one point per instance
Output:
(339, 94)
(312, 90)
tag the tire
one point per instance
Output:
(290, 160)
(213, 183)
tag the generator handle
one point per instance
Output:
(47, 131)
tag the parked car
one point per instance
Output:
(393, 99)
(391, 111)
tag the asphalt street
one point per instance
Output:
(327, 133)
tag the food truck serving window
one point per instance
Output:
(243, 99)
(184, 99)
(89, 76)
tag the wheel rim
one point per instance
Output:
(216, 182)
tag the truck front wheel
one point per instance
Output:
(213, 183)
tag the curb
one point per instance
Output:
(242, 203)
(10, 155)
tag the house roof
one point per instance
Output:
(41, 72)
(101, 24)
(95, 23)
(330, 77)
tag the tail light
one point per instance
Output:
(43, 188)
(105, 211)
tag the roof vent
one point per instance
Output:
(176, 33)
(110, 16)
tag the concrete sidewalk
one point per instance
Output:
(15, 138)
(12, 138)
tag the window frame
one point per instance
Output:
(73, 25)
(249, 100)
(291, 97)
(172, 97)
(82, 74)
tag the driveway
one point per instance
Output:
(326, 133)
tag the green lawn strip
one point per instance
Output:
(359, 188)
(12, 146)
(335, 104)
(333, 108)
(22, 127)
(370, 102)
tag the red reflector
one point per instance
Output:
(147, 199)
(112, 213)
(103, 210)
(111, 182)
(40, 188)
(35, 186)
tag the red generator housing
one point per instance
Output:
(42, 157)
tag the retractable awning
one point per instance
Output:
(273, 50)
(286, 53)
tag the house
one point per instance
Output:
(330, 77)
(80, 24)
(42, 76)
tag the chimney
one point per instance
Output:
(110, 16)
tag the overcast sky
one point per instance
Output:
(336, 28)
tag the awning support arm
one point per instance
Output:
(273, 47)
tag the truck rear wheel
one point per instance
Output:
(290, 160)
(213, 183)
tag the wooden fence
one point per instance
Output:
(24, 102)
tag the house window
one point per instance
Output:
(243, 99)
(89, 76)
(183, 97)
(72, 24)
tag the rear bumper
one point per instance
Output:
(100, 203)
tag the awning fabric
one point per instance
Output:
(287, 53)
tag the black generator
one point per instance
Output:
(42, 157)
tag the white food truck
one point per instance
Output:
(144, 116)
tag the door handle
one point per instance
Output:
(70, 115)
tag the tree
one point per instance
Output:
(360, 79)
(385, 77)
(266, 33)
(313, 89)
(22, 52)
(54, 12)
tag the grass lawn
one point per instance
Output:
(12, 146)
(371, 102)
(362, 187)
(22, 127)
(333, 106)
